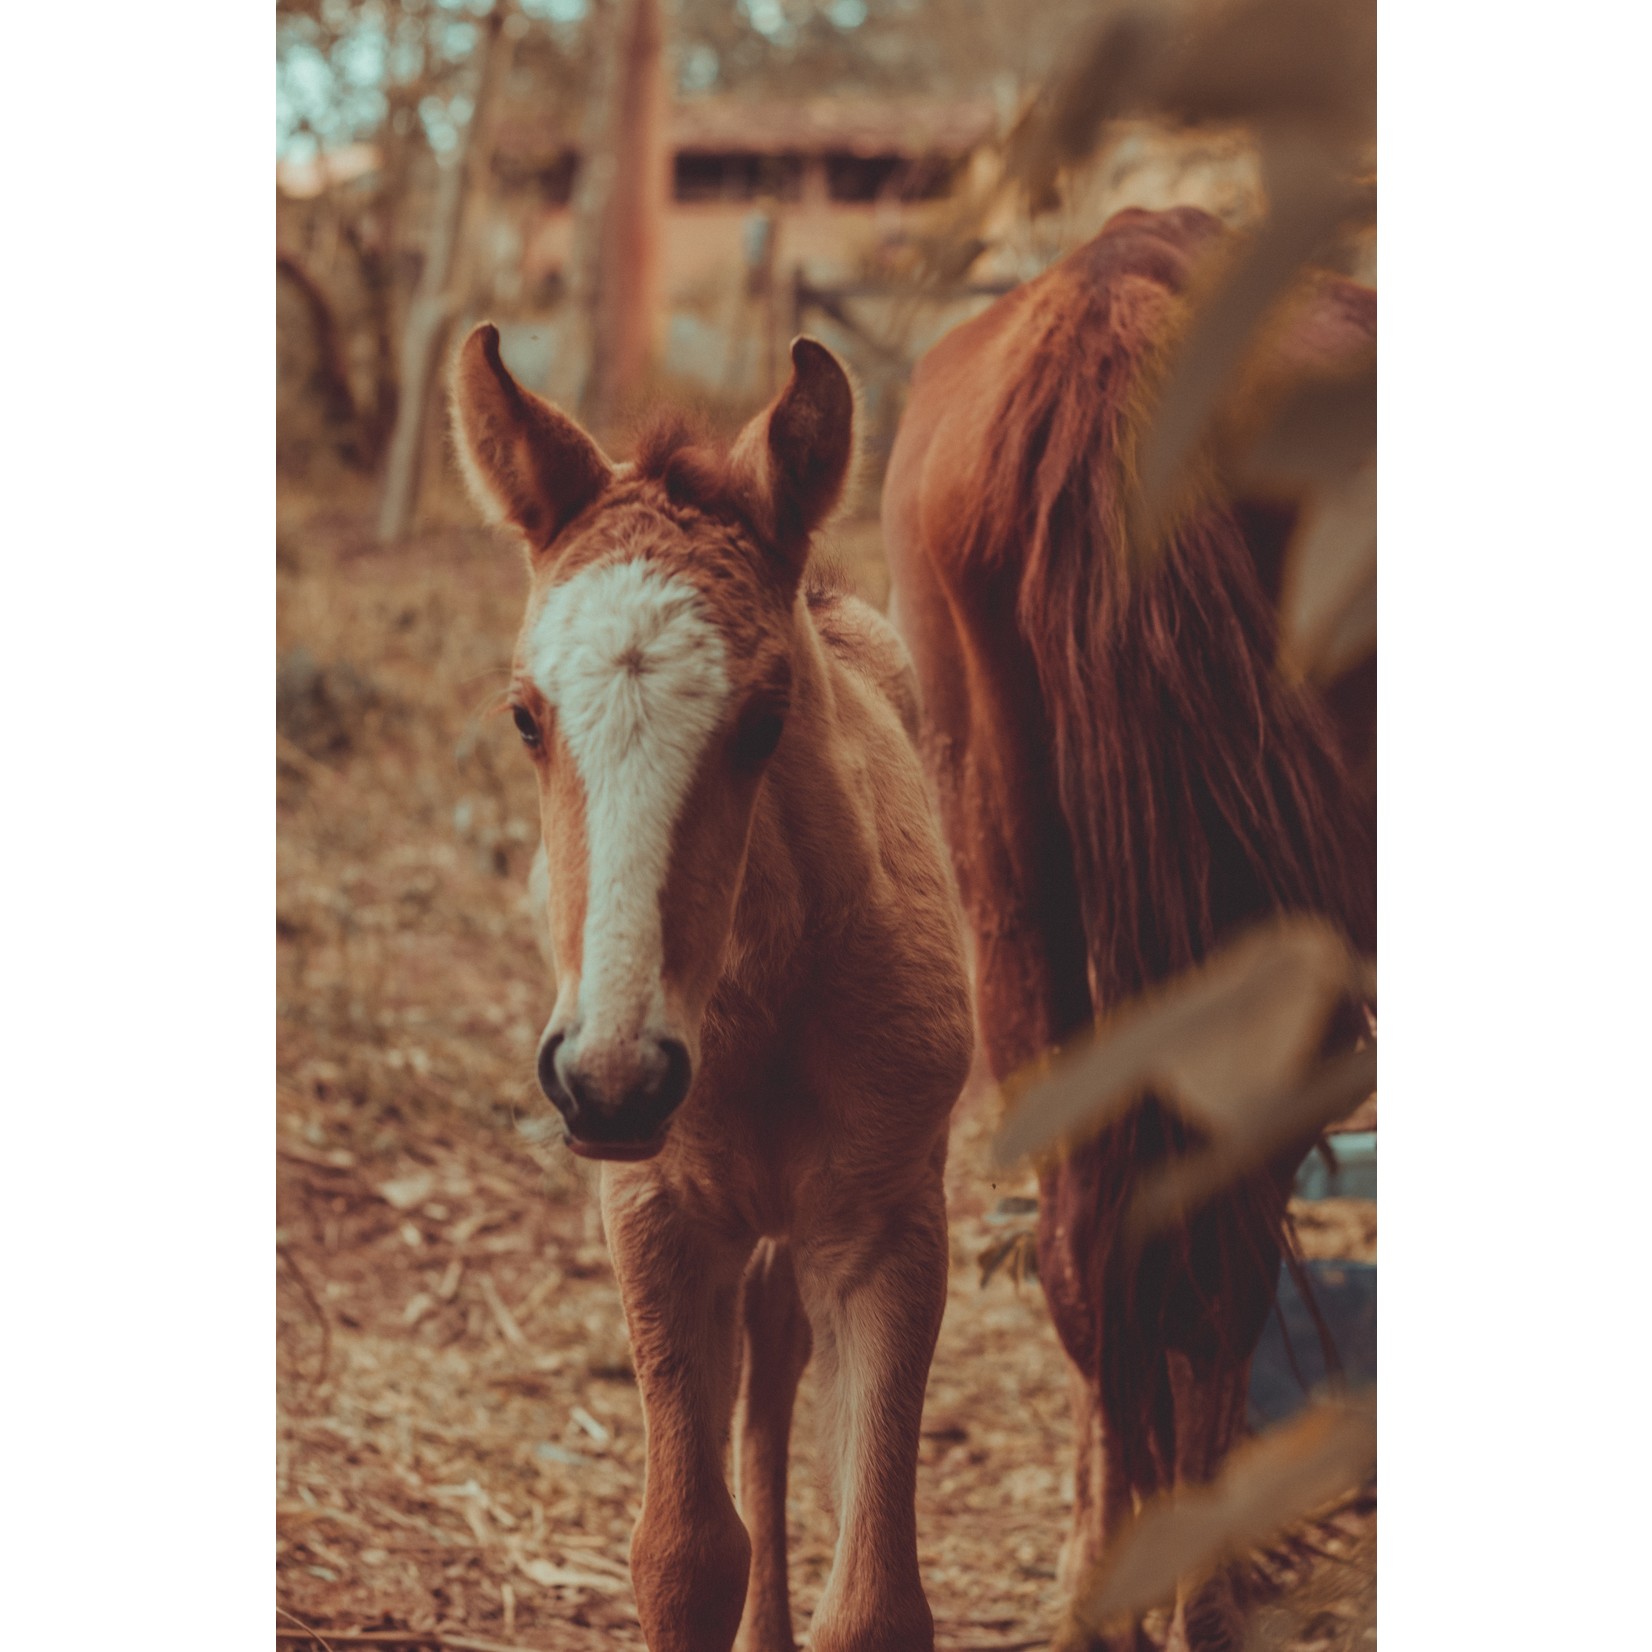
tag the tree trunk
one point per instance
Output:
(375, 237)
(436, 299)
(377, 418)
(619, 211)
(328, 381)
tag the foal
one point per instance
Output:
(762, 1018)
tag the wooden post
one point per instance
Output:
(436, 299)
(620, 208)
(760, 253)
(573, 362)
(800, 299)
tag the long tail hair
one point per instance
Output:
(1201, 791)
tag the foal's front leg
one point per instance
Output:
(875, 1301)
(776, 1345)
(690, 1552)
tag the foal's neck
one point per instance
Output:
(812, 851)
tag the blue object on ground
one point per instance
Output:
(1354, 1175)
(1347, 1296)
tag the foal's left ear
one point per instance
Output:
(794, 459)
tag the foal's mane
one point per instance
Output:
(672, 448)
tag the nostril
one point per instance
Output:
(550, 1076)
(674, 1081)
(625, 1095)
(571, 1080)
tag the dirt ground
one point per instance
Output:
(459, 1447)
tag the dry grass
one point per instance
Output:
(459, 1434)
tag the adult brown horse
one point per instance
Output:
(1126, 780)
(762, 1013)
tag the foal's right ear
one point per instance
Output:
(526, 463)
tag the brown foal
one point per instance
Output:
(762, 1018)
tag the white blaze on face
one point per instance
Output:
(636, 675)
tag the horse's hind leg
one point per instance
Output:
(775, 1340)
(1101, 1505)
(1101, 1493)
(1210, 1416)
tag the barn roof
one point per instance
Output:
(817, 125)
(862, 126)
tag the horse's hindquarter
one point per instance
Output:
(1075, 757)
(984, 731)
(1115, 807)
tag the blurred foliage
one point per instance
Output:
(348, 70)
(1231, 1044)
(1286, 1473)
(342, 63)
(1298, 76)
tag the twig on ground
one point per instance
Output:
(501, 1314)
(316, 1308)
(288, 1634)
(338, 1160)
(295, 757)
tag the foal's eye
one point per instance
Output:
(757, 736)
(526, 726)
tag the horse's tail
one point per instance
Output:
(1201, 793)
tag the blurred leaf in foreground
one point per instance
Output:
(1300, 72)
(1216, 1041)
(1328, 606)
(1319, 432)
(1274, 1122)
(1309, 62)
(1309, 195)
(1112, 74)
(1287, 1473)
(1300, 433)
